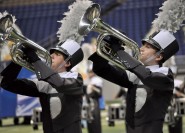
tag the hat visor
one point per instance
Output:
(52, 50)
(152, 43)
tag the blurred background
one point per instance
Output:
(38, 21)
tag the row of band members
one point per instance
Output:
(150, 85)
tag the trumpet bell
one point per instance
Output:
(87, 22)
(8, 33)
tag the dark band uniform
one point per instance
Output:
(152, 110)
(150, 89)
(96, 84)
(58, 98)
(60, 94)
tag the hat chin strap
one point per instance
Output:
(62, 64)
(152, 57)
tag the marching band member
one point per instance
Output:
(150, 86)
(177, 127)
(94, 91)
(60, 90)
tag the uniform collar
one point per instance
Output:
(153, 67)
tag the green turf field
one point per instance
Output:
(9, 127)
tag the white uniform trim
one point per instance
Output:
(69, 75)
(156, 68)
(141, 96)
(45, 87)
(55, 106)
(55, 102)
(141, 93)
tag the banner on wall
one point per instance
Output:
(20, 105)
(25, 105)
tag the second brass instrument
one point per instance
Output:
(90, 21)
(8, 33)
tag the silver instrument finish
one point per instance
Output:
(8, 33)
(90, 21)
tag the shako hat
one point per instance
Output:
(165, 42)
(71, 49)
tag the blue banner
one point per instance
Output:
(12, 105)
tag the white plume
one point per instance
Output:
(5, 13)
(69, 24)
(171, 16)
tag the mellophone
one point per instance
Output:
(176, 110)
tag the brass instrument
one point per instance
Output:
(90, 21)
(8, 33)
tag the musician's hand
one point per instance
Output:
(30, 55)
(114, 43)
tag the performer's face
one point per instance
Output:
(147, 50)
(57, 60)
